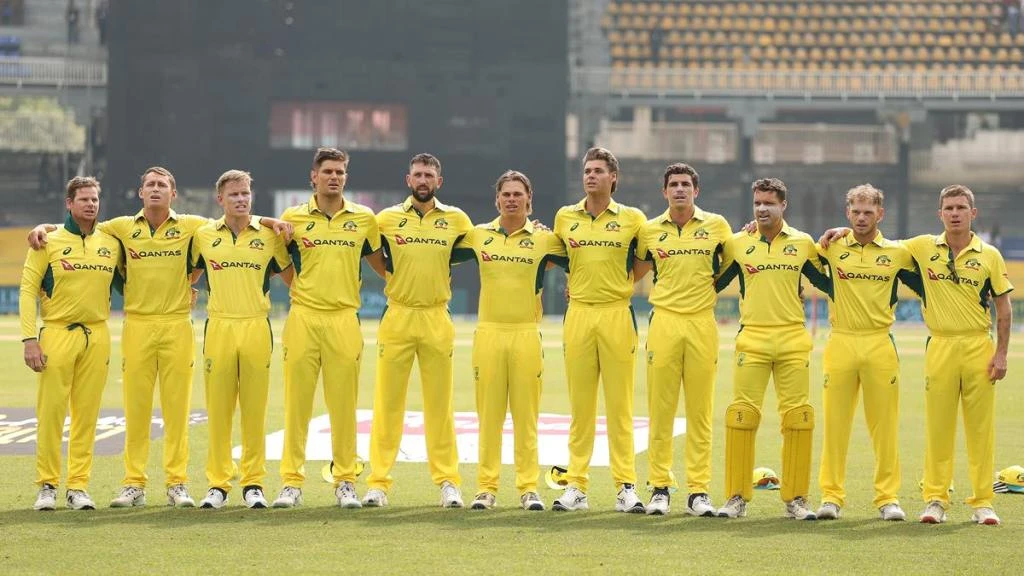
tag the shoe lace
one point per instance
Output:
(179, 491)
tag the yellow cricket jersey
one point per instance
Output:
(238, 269)
(326, 253)
(686, 260)
(601, 251)
(769, 275)
(72, 275)
(156, 261)
(511, 269)
(418, 250)
(958, 287)
(863, 281)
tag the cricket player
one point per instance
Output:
(322, 335)
(418, 236)
(684, 247)
(239, 256)
(772, 343)
(72, 277)
(508, 362)
(861, 355)
(600, 236)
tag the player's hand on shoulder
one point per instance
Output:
(538, 225)
(283, 229)
(833, 234)
(37, 237)
(750, 227)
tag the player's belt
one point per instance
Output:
(613, 304)
(347, 311)
(861, 333)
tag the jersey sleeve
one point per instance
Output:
(192, 223)
(729, 268)
(999, 278)
(814, 268)
(36, 263)
(463, 249)
(281, 257)
(372, 242)
(643, 252)
(116, 227)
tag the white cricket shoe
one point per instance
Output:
(346, 495)
(628, 501)
(80, 500)
(985, 516)
(891, 512)
(735, 507)
(659, 503)
(797, 508)
(375, 498)
(699, 504)
(933, 513)
(531, 501)
(289, 497)
(253, 497)
(483, 501)
(47, 498)
(829, 511)
(451, 496)
(215, 498)
(128, 497)
(572, 499)
(177, 496)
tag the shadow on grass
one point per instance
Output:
(431, 518)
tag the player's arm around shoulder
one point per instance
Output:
(464, 249)
(729, 267)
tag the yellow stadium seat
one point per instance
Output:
(929, 39)
(704, 37)
(613, 8)
(907, 54)
(640, 8)
(618, 51)
(700, 9)
(1002, 55)
(953, 55)
(838, 39)
(891, 54)
(1005, 39)
(720, 37)
(846, 54)
(779, 38)
(968, 54)
(921, 54)
(670, 8)
(938, 54)
(666, 22)
(831, 11)
(757, 9)
(714, 9)
(772, 9)
(985, 54)
(729, 9)
(785, 53)
(800, 54)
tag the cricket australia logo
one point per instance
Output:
(973, 264)
(883, 260)
(103, 252)
(612, 226)
(256, 244)
(350, 226)
(441, 224)
(172, 233)
(700, 234)
(789, 250)
(526, 243)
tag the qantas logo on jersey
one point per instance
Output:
(403, 240)
(488, 257)
(751, 269)
(307, 243)
(152, 253)
(844, 275)
(599, 243)
(938, 276)
(682, 252)
(69, 267)
(214, 265)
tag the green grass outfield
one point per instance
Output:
(415, 535)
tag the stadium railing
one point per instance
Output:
(38, 71)
(836, 84)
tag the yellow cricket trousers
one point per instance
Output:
(956, 372)
(155, 346)
(681, 348)
(236, 362)
(316, 340)
(405, 334)
(781, 353)
(508, 366)
(77, 358)
(856, 361)
(599, 342)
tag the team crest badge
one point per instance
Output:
(172, 233)
(700, 234)
(789, 250)
(883, 260)
(103, 252)
(441, 224)
(526, 243)
(350, 226)
(256, 244)
(973, 264)
(612, 226)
